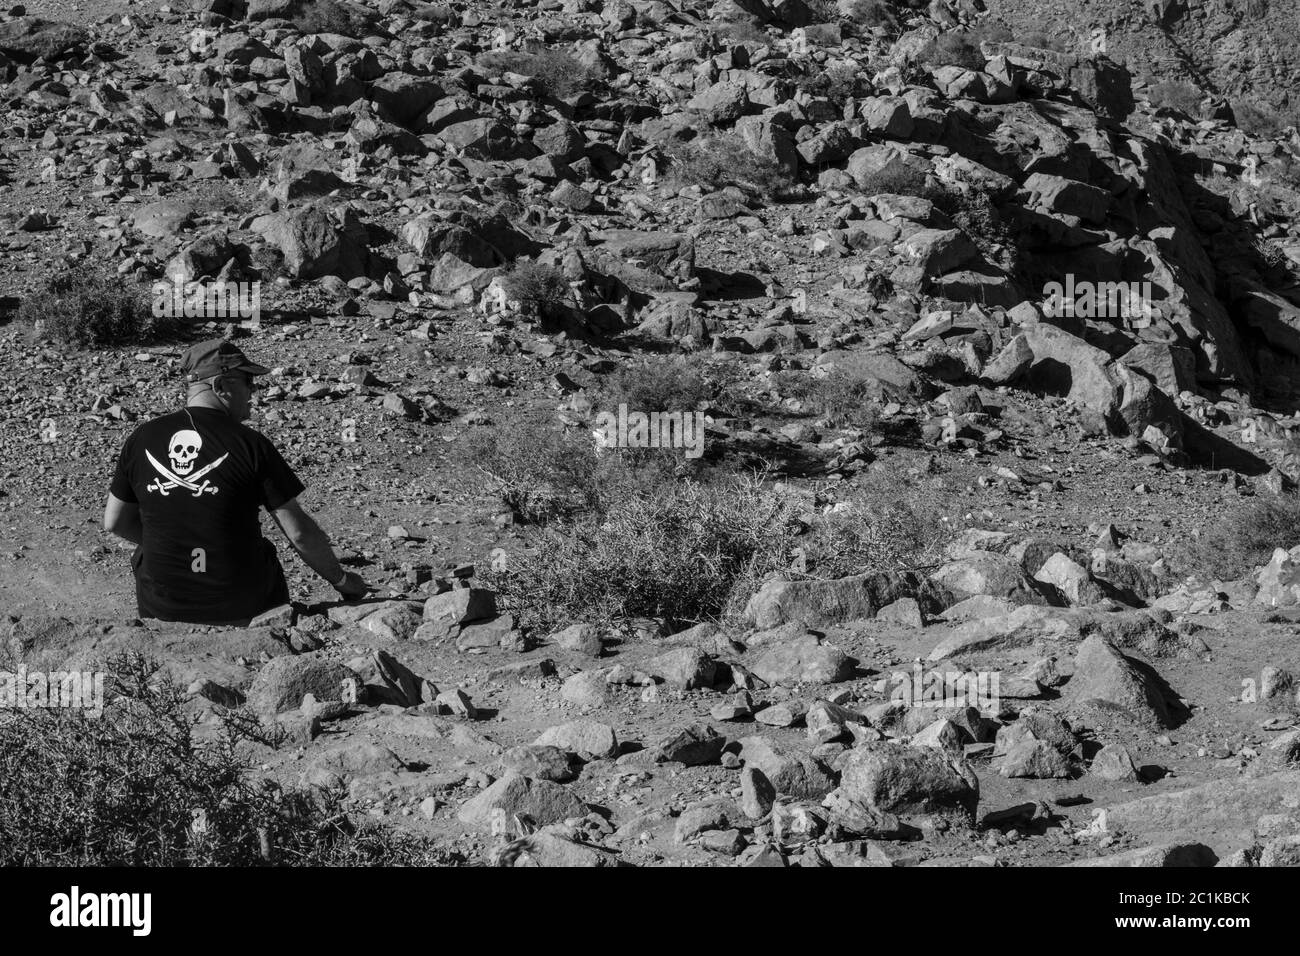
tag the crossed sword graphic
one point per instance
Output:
(173, 480)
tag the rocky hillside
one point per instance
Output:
(884, 254)
(1227, 48)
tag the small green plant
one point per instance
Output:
(136, 786)
(83, 309)
(713, 162)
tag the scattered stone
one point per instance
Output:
(282, 683)
(695, 746)
(515, 795)
(581, 737)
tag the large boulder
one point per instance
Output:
(26, 39)
(938, 251)
(303, 169)
(830, 144)
(282, 683)
(581, 737)
(789, 770)
(645, 262)
(203, 257)
(445, 614)
(163, 219)
(910, 782)
(1173, 854)
(768, 137)
(542, 801)
(1061, 196)
(1222, 813)
(1027, 624)
(804, 659)
(1065, 364)
(402, 98)
(875, 168)
(988, 574)
(827, 602)
(682, 668)
(1069, 579)
(889, 115)
(720, 103)
(316, 241)
(1109, 681)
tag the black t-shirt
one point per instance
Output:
(199, 478)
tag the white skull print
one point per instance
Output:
(183, 449)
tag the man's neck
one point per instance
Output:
(206, 400)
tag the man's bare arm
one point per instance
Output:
(313, 546)
(123, 519)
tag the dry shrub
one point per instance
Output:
(657, 383)
(1175, 95)
(843, 398)
(953, 49)
(83, 309)
(137, 787)
(875, 530)
(543, 288)
(539, 472)
(716, 161)
(1259, 119)
(330, 16)
(837, 83)
(873, 13)
(557, 73)
(1245, 538)
(677, 553)
(688, 551)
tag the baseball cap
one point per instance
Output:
(215, 357)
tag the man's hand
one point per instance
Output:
(352, 585)
(313, 546)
